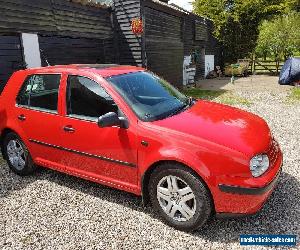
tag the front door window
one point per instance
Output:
(87, 99)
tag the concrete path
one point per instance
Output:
(260, 83)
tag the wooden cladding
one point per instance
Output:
(164, 45)
(58, 17)
(170, 34)
(11, 57)
(201, 32)
(130, 45)
(68, 33)
(67, 50)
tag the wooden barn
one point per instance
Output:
(34, 33)
(170, 35)
(38, 33)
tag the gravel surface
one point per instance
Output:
(54, 211)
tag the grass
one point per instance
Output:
(294, 95)
(204, 94)
(231, 99)
(222, 96)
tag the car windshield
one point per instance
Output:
(150, 97)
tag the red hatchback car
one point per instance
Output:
(126, 128)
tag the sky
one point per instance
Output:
(186, 4)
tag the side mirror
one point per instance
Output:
(111, 119)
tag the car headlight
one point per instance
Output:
(259, 164)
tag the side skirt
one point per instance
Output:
(100, 180)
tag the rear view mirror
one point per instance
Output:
(111, 119)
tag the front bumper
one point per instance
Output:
(240, 200)
(249, 190)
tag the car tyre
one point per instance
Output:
(180, 197)
(17, 155)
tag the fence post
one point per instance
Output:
(253, 63)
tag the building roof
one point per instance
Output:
(95, 3)
(172, 6)
(178, 8)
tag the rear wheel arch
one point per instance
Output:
(146, 178)
(16, 154)
(4, 133)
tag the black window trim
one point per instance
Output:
(82, 117)
(38, 109)
(42, 110)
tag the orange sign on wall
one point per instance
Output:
(137, 26)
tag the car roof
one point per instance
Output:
(105, 70)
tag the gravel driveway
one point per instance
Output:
(54, 211)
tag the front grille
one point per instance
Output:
(273, 152)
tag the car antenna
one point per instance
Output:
(44, 57)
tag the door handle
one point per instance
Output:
(22, 117)
(69, 129)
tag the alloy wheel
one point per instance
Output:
(16, 154)
(176, 198)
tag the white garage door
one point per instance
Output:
(31, 50)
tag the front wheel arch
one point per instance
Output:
(146, 178)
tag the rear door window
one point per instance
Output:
(40, 91)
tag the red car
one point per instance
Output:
(126, 128)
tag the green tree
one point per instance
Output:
(280, 36)
(237, 21)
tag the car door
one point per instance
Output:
(108, 155)
(38, 119)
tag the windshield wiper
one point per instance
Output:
(147, 115)
(190, 101)
(178, 110)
